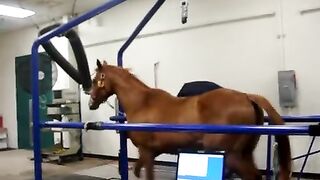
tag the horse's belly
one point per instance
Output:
(178, 139)
(172, 142)
(167, 142)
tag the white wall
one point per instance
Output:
(14, 44)
(243, 55)
(301, 54)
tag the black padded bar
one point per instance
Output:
(93, 126)
(81, 59)
(314, 130)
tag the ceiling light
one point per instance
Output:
(15, 12)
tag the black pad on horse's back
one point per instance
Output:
(196, 88)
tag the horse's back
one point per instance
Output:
(221, 106)
(226, 106)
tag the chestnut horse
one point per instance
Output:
(143, 104)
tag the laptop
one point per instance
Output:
(200, 166)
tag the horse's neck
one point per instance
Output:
(130, 91)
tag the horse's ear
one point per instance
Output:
(128, 69)
(105, 62)
(99, 64)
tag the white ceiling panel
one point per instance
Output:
(46, 11)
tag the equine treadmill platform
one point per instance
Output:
(111, 171)
(72, 177)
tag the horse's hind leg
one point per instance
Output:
(147, 160)
(139, 164)
(243, 166)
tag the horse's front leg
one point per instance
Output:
(147, 159)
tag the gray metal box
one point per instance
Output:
(287, 88)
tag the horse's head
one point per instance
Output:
(101, 88)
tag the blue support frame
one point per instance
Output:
(138, 29)
(35, 68)
(306, 157)
(122, 127)
(215, 129)
(123, 159)
(291, 119)
(269, 153)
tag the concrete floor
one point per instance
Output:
(111, 171)
(16, 165)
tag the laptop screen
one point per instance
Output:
(200, 166)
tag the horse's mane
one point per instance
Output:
(125, 72)
(134, 77)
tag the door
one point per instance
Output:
(24, 99)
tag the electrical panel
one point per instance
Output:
(287, 88)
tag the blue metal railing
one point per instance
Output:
(301, 119)
(138, 29)
(229, 129)
(292, 130)
(123, 155)
(35, 68)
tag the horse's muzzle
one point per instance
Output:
(93, 105)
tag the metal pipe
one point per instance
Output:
(182, 29)
(76, 21)
(123, 164)
(304, 155)
(307, 11)
(35, 112)
(306, 158)
(268, 169)
(135, 33)
(228, 129)
(288, 119)
(301, 119)
(35, 69)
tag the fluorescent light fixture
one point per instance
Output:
(15, 12)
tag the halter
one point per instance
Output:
(100, 83)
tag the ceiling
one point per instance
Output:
(46, 11)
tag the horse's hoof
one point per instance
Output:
(137, 173)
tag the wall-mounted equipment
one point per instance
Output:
(184, 11)
(287, 88)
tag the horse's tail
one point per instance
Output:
(284, 152)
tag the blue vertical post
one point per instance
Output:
(123, 165)
(138, 29)
(269, 151)
(35, 113)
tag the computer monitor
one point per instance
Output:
(200, 166)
